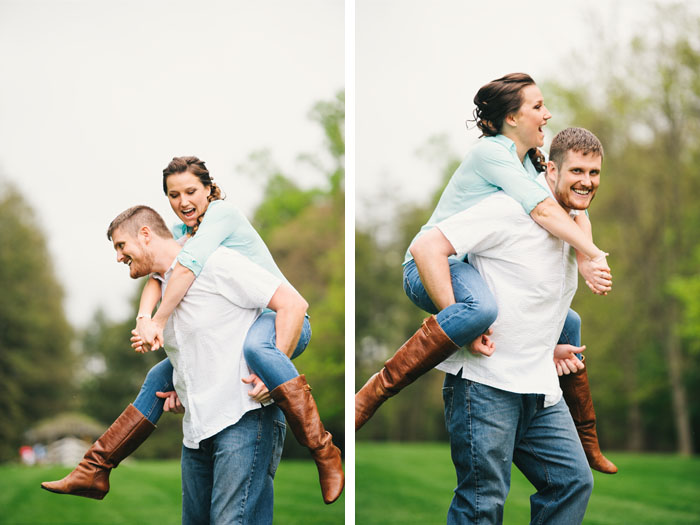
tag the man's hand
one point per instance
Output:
(565, 360)
(259, 393)
(172, 402)
(151, 334)
(483, 344)
(596, 273)
(137, 342)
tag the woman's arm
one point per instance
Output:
(430, 252)
(599, 281)
(552, 217)
(149, 299)
(180, 281)
(219, 222)
(290, 307)
(500, 167)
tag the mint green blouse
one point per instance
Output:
(223, 224)
(491, 165)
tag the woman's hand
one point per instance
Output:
(151, 333)
(565, 359)
(259, 393)
(596, 273)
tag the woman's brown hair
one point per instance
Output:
(197, 168)
(498, 99)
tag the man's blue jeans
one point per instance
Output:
(261, 354)
(475, 310)
(490, 429)
(229, 479)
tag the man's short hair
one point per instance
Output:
(136, 217)
(579, 140)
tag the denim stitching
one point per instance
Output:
(244, 501)
(542, 513)
(470, 433)
(279, 431)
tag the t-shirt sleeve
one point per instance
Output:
(499, 167)
(242, 281)
(484, 226)
(219, 222)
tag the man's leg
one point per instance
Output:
(197, 478)
(482, 423)
(245, 458)
(549, 454)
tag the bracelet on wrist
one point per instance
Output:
(143, 316)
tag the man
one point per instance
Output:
(508, 407)
(231, 445)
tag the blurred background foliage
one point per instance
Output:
(643, 339)
(48, 368)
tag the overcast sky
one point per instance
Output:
(97, 96)
(419, 64)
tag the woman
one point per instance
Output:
(271, 343)
(510, 113)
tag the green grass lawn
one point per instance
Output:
(413, 483)
(148, 493)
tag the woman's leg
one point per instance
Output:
(474, 311)
(571, 333)
(577, 394)
(440, 336)
(292, 394)
(91, 477)
(158, 379)
(267, 361)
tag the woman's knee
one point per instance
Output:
(160, 373)
(487, 309)
(573, 321)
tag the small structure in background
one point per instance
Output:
(61, 440)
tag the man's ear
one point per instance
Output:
(145, 234)
(552, 171)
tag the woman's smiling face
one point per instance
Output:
(531, 117)
(187, 196)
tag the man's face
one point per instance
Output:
(576, 182)
(133, 252)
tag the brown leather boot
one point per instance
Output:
(90, 478)
(295, 399)
(426, 349)
(577, 394)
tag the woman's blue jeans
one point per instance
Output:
(475, 310)
(263, 358)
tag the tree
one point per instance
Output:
(645, 111)
(36, 362)
(304, 229)
(385, 317)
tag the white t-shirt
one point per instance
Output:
(532, 274)
(204, 341)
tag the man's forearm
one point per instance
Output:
(288, 326)
(434, 272)
(430, 253)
